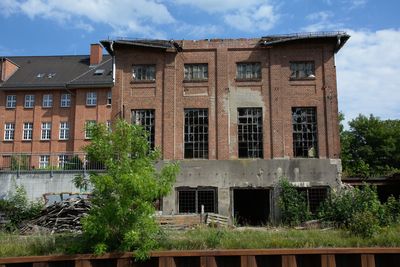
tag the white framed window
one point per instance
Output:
(44, 161)
(47, 101)
(65, 100)
(91, 99)
(109, 97)
(29, 101)
(88, 130)
(27, 131)
(46, 131)
(62, 160)
(9, 131)
(11, 101)
(64, 130)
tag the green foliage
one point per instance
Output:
(392, 210)
(364, 224)
(18, 208)
(371, 147)
(75, 163)
(20, 162)
(292, 204)
(122, 216)
(343, 204)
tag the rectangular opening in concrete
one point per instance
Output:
(251, 206)
(250, 133)
(314, 197)
(190, 200)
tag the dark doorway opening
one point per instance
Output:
(251, 206)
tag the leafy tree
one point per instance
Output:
(122, 216)
(371, 147)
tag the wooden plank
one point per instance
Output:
(367, 260)
(166, 262)
(211, 261)
(328, 260)
(203, 262)
(289, 261)
(126, 262)
(248, 261)
(83, 263)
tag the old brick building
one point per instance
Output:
(238, 114)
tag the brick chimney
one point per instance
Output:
(7, 68)
(96, 54)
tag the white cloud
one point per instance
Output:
(123, 16)
(368, 68)
(198, 31)
(321, 21)
(248, 16)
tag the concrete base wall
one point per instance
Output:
(224, 175)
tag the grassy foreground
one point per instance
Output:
(209, 238)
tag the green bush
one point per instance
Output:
(292, 204)
(392, 210)
(364, 224)
(18, 208)
(343, 204)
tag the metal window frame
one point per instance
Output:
(196, 141)
(195, 72)
(250, 133)
(196, 190)
(147, 119)
(252, 70)
(305, 132)
(144, 72)
(294, 69)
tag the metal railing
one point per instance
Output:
(50, 162)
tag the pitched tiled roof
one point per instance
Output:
(54, 72)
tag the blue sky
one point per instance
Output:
(368, 67)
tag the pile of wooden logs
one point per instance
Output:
(60, 217)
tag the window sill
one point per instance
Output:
(26, 140)
(248, 80)
(8, 141)
(63, 139)
(10, 107)
(195, 81)
(46, 107)
(28, 107)
(302, 79)
(142, 81)
(90, 106)
(65, 106)
(45, 140)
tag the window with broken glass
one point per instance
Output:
(314, 196)
(250, 134)
(145, 118)
(248, 71)
(302, 70)
(196, 134)
(143, 72)
(196, 72)
(190, 200)
(305, 132)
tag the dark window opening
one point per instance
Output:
(251, 206)
(146, 118)
(248, 71)
(196, 133)
(314, 197)
(190, 200)
(305, 132)
(302, 70)
(250, 133)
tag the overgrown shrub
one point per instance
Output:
(343, 204)
(364, 224)
(18, 208)
(392, 210)
(292, 204)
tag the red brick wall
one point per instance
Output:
(222, 94)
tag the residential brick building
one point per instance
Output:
(237, 114)
(45, 102)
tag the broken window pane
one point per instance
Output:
(305, 132)
(302, 70)
(196, 72)
(248, 71)
(250, 134)
(143, 72)
(145, 118)
(196, 133)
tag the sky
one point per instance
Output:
(368, 66)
